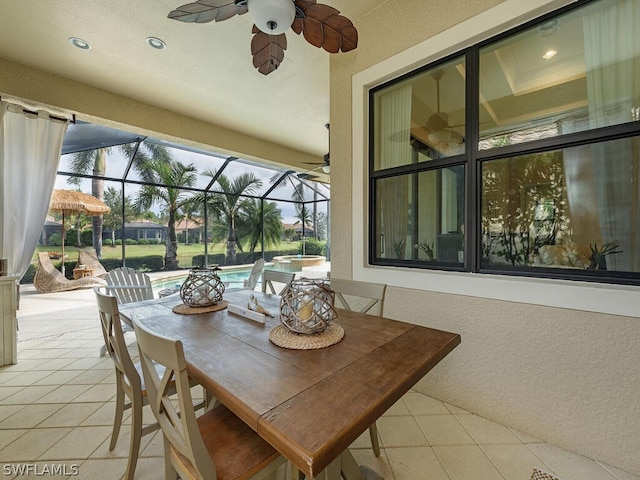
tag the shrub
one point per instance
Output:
(130, 241)
(55, 239)
(118, 241)
(107, 242)
(87, 237)
(71, 237)
(28, 276)
(214, 259)
(312, 247)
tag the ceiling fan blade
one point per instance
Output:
(324, 27)
(203, 11)
(267, 50)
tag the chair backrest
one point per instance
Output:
(178, 422)
(254, 276)
(269, 277)
(364, 296)
(89, 258)
(128, 286)
(114, 337)
(45, 262)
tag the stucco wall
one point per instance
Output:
(566, 375)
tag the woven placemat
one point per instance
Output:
(283, 337)
(183, 309)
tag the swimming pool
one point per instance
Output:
(233, 278)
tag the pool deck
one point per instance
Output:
(33, 302)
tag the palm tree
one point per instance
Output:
(303, 214)
(254, 221)
(170, 181)
(227, 203)
(95, 162)
(113, 220)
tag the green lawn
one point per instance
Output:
(185, 252)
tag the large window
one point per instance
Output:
(418, 164)
(528, 142)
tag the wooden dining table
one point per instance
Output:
(308, 404)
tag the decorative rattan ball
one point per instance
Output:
(202, 288)
(307, 306)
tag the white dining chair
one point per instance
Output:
(363, 297)
(217, 444)
(254, 276)
(128, 286)
(272, 277)
(131, 393)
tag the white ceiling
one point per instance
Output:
(206, 72)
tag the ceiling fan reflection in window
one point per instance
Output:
(321, 25)
(439, 133)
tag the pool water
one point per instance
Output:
(234, 278)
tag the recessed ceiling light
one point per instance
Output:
(549, 54)
(156, 43)
(79, 43)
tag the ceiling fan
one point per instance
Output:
(439, 132)
(321, 25)
(325, 165)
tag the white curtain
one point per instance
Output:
(395, 150)
(30, 146)
(612, 38)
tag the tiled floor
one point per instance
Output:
(57, 403)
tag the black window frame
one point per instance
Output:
(472, 160)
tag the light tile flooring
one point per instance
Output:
(57, 404)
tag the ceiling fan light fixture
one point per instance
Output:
(273, 17)
(326, 169)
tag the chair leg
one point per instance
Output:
(117, 421)
(170, 473)
(375, 442)
(136, 433)
(209, 400)
(295, 473)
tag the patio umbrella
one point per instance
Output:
(70, 202)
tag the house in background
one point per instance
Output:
(295, 231)
(143, 230)
(49, 228)
(190, 231)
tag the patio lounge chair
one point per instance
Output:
(89, 258)
(49, 280)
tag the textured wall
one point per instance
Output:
(567, 376)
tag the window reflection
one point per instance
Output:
(572, 73)
(420, 119)
(572, 208)
(421, 216)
